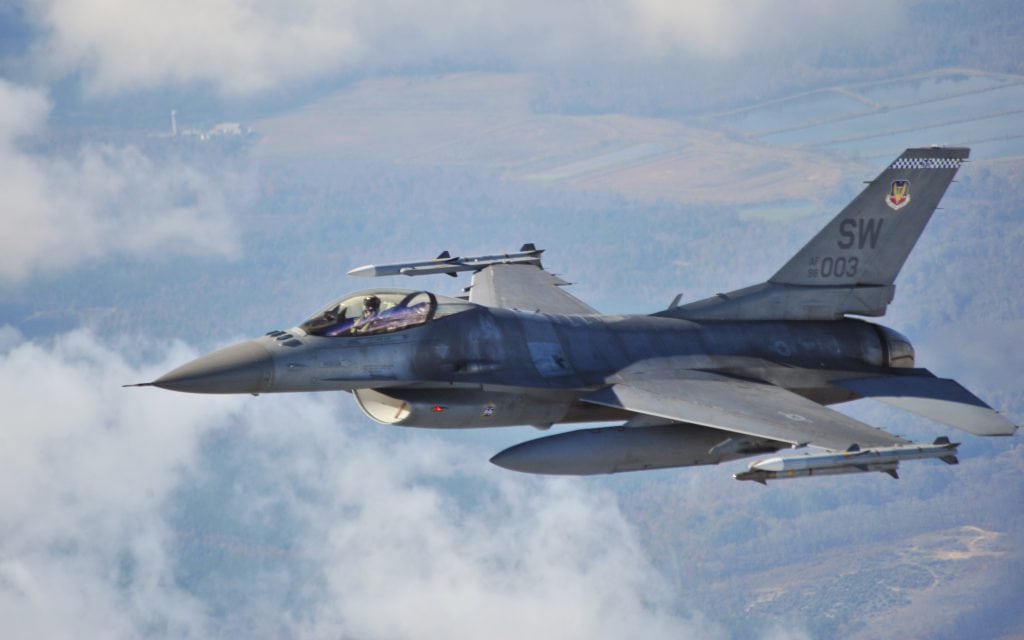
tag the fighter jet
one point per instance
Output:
(743, 373)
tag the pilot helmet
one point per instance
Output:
(371, 302)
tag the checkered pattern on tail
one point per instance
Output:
(926, 163)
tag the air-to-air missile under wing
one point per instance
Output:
(740, 374)
(854, 460)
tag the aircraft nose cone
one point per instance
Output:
(242, 368)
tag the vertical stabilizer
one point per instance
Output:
(868, 242)
(851, 265)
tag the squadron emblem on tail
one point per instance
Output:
(899, 194)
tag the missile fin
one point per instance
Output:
(950, 459)
(892, 472)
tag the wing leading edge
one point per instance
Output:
(526, 287)
(749, 408)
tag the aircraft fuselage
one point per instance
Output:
(493, 360)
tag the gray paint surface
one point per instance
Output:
(739, 374)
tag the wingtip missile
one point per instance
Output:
(365, 271)
(406, 268)
(446, 264)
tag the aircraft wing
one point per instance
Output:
(750, 408)
(526, 287)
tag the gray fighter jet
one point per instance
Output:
(742, 373)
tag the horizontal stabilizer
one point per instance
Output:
(939, 399)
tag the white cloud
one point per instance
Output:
(243, 47)
(59, 212)
(382, 537)
(87, 466)
(539, 558)
(721, 29)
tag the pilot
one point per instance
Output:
(371, 305)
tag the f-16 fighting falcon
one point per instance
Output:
(743, 373)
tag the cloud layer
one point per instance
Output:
(242, 47)
(100, 201)
(323, 531)
(87, 467)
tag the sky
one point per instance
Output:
(141, 513)
(250, 47)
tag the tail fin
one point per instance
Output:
(850, 266)
(868, 242)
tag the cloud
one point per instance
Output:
(537, 558)
(86, 465)
(138, 512)
(726, 29)
(242, 48)
(103, 200)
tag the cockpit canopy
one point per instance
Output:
(384, 311)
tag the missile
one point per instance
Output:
(446, 264)
(374, 271)
(853, 460)
(762, 476)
